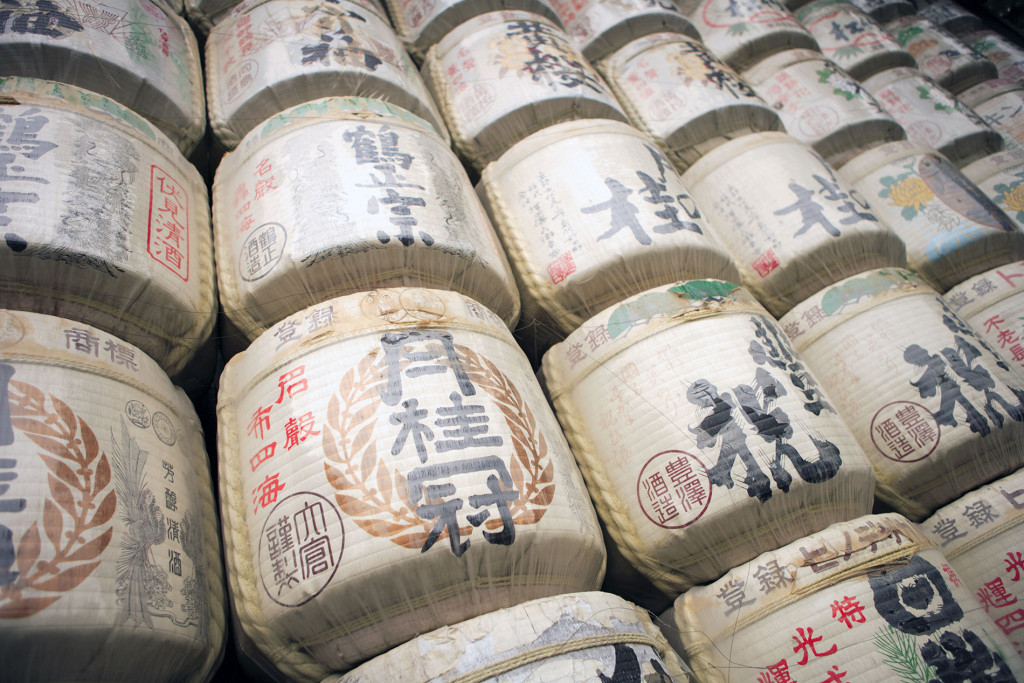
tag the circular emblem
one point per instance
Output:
(927, 132)
(673, 489)
(261, 251)
(138, 413)
(164, 428)
(904, 431)
(818, 120)
(12, 330)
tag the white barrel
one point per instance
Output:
(1006, 55)
(933, 117)
(866, 600)
(1000, 104)
(624, 224)
(821, 105)
(109, 553)
(503, 75)
(937, 413)
(1001, 177)
(104, 221)
(884, 11)
(600, 27)
(274, 54)
(992, 305)
(686, 98)
(852, 39)
(950, 16)
(410, 429)
(940, 55)
(951, 228)
(791, 224)
(575, 637)
(699, 462)
(743, 33)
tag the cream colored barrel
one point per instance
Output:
(1000, 104)
(580, 636)
(685, 97)
(821, 105)
(503, 75)
(990, 303)
(205, 14)
(884, 11)
(791, 224)
(342, 195)
(951, 228)
(601, 27)
(1006, 55)
(937, 413)
(402, 447)
(697, 462)
(933, 117)
(103, 220)
(110, 566)
(869, 599)
(852, 39)
(950, 16)
(138, 53)
(940, 55)
(624, 224)
(743, 33)
(1001, 177)
(275, 54)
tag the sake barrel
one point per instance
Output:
(503, 75)
(1001, 177)
(108, 534)
(272, 55)
(420, 468)
(950, 16)
(1000, 104)
(935, 410)
(136, 52)
(743, 32)
(933, 117)
(821, 105)
(342, 195)
(884, 11)
(940, 55)
(580, 636)
(852, 39)
(600, 27)
(624, 224)
(868, 599)
(989, 303)
(686, 98)
(791, 224)
(658, 433)
(951, 228)
(1006, 55)
(103, 221)
(204, 14)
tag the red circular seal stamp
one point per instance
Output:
(673, 489)
(904, 431)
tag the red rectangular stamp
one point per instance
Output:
(168, 222)
(766, 263)
(561, 268)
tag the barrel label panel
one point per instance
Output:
(538, 50)
(168, 242)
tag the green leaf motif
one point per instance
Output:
(906, 35)
(849, 51)
(899, 652)
(908, 213)
(737, 30)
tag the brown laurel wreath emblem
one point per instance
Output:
(376, 496)
(76, 528)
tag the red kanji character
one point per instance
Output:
(266, 493)
(776, 673)
(1009, 278)
(1007, 337)
(1012, 621)
(848, 611)
(806, 642)
(993, 322)
(260, 421)
(296, 430)
(1014, 563)
(262, 455)
(994, 594)
(293, 388)
(953, 578)
(834, 675)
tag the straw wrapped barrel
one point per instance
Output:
(109, 553)
(949, 16)
(884, 11)
(104, 221)
(600, 27)
(685, 97)
(391, 468)
(937, 413)
(951, 228)
(868, 599)
(1000, 104)
(1006, 55)
(792, 225)
(992, 305)
(940, 55)
(1001, 177)
(743, 33)
(205, 14)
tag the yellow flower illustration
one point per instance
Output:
(690, 65)
(1014, 198)
(512, 53)
(912, 192)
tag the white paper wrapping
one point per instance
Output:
(1007, 56)
(940, 55)
(743, 32)
(600, 27)
(992, 305)
(1000, 104)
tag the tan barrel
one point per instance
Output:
(792, 225)
(503, 75)
(410, 428)
(110, 566)
(685, 97)
(743, 33)
(937, 413)
(105, 221)
(580, 636)
(1000, 104)
(1006, 55)
(1001, 177)
(950, 16)
(601, 27)
(698, 462)
(940, 55)
(933, 117)
(869, 599)
(951, 228)
(990, 303)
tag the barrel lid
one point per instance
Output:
(983, 92)
(1000, 285)
(986, 167)
(813, 11)
(729, 150)
(870, 161)
(772, 65)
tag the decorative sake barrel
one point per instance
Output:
(136, 52)
(1001, 177)
(1000, 104)
(949, 16)
(1006, 55)
(685, 97)
(205, 14)
(884, 11)
(575, 637)
(990, 303)
(600, 27)
(937, 412)
(869, 599)
(104, 221)
(667, 440)
(109, 553)
(391, 468)
(624, 224)
(821, 105)
(342, 195)
(274, 54)
(744, 32)
(852, 39)
(951, 228)
(940, 55)
(933, 117)
(791, 224)
(503, 75)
